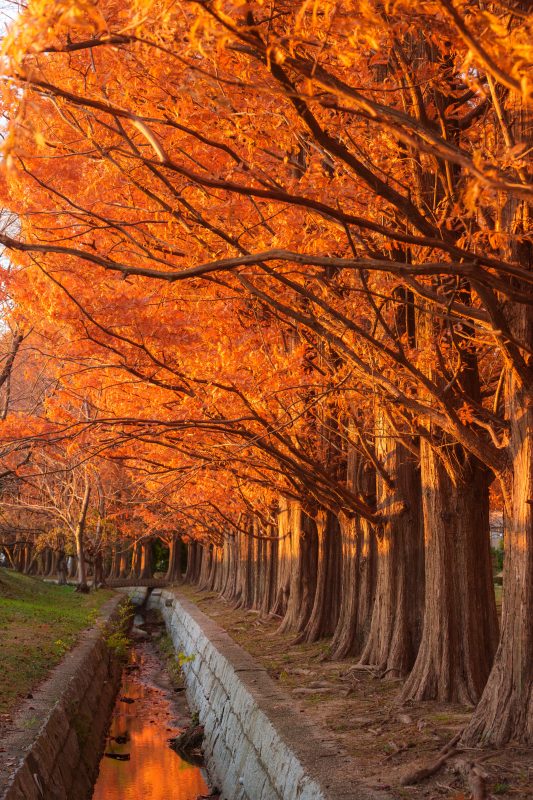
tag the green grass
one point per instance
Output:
(39, 623)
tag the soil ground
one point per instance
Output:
(383, 740)
(39, 623)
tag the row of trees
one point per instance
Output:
(279, 257)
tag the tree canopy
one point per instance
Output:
(272, 264)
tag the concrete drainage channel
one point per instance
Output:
(256, 746)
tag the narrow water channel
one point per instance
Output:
(146, 767)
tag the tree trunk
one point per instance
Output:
(300, 532)
(98, 576)
(460, 624)
(396, 626)
(113, 571)
(191, 558)
(205, 571)
(52, 567)
(194, 562)
(124, 565)
(281, 598)
(229, 580)
(78, 538)
(72, 567)
(358, 581)
(27, 559)
(146, 568)
(61, 568)
(505, 710)
(135, 565)
(244, 568)
(326, 605)
(175, 547)
(270, 573)
(357, 586)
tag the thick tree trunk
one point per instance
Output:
(229, 581)
(270, 573)
(358, 581)
(282, 592)
(505, 711)
(244, 568)
(205, 570)
(326, 606)
(135, 566)
(460, 624)
(258, 554)
(357, 586)
(217, 570)
(301, 539)
(175, 547)
(191, 557)
(124, 561)
(194, 562)
(396, 627)
(147, 566)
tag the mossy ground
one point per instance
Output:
(39, 623)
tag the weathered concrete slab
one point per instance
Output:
(137, 594)
(257, 746)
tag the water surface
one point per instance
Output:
(153, 771)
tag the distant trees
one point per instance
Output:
(284, 256)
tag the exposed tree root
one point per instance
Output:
(423, 771)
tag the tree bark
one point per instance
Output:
(326, 606)
(358, 580)
(61, 568)
(52, 567)
(460, 624)
(135, 565)
(505, 710)
(270, 573)
(72, 568)
(396, 627)
(301, 542)
(282, 592)
(78, 538)
(124, 561)
(113, 571)
(244, 568)
(175, 547)
(146, 569)
(229, 580)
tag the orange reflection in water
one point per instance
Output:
(154, 771)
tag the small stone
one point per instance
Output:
(405, 719)
(137, 634)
